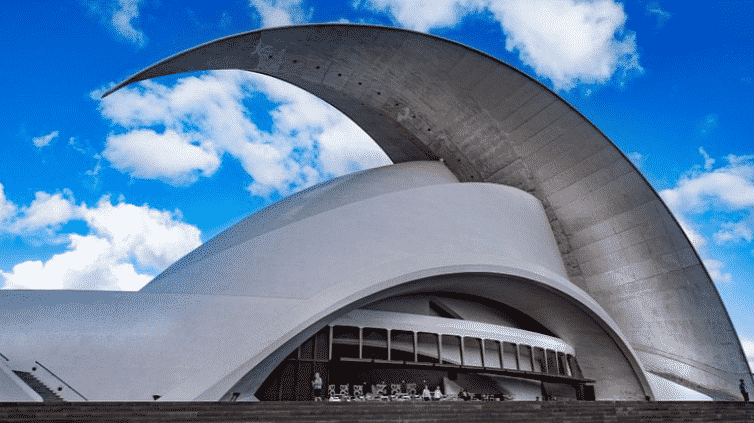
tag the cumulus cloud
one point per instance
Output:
(202, 118)
(45, 211)
(281, 12)
(120, 16)
(730, 187)
(7, 209)
(424, 15)
(125, 247)
(45, 140)
(726, 189)
(566, 41)
(149, 155)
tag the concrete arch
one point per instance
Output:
(421, 97)
(576, 318)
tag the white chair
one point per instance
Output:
(358, 392)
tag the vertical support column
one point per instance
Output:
(501, 353)
(389, 343)
(329, 352)
(416, 347)
(484, 352)
(439, 348)
(463, 349)
(361, 341)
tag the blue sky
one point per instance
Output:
(104, 194)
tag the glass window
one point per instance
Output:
(345, 342)
(574, 365)
(427, 347)
(451, 349)
(552, 362)
(561, 363)
(321, 344)
(538, 360)
(472, 352)
(307, 349)
(510, 358)
(401, 345)
(374, 343)
(491, 353)
(524, 352)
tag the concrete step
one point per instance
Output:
(46, 393)
(534, 412)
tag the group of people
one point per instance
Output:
(426, 394)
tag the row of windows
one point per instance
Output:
(424, 347)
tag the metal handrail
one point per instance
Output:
(3, 356)
(61, 380)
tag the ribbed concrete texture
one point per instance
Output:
(475, 411)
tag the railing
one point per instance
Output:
(59, 379)
(3, 356)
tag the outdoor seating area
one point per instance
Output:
(397, 392)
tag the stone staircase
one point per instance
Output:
(526, 412)
(46, 393)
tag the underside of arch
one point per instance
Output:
(604, 355)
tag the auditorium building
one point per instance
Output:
(510, 249)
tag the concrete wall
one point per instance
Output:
(420, 97)
(249, 305)
(13, 389)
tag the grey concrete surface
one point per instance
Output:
(421, 97)
(225, 321)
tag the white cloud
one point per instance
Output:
(732, 232)
(281, 12)
(119, 15)
(566, 41)
(45, 211)
(708, 161)
(636, 158)
(148, 155)
(155, 238)
(7, 208)
(569, 41)
(723, 190)
(424, 15)
(123, 239)
(128, 11)
(654, 9)
(204, 118)
(45, 140)
(715, 270)
(730, 187)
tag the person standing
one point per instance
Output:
(426, 394)
(317, 385)
(742, 387)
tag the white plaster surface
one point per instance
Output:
(210, 323)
